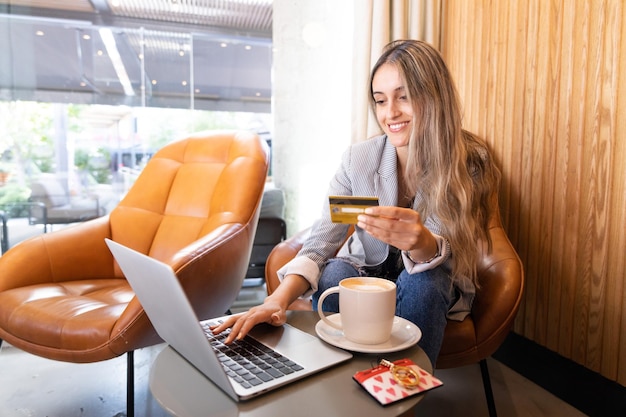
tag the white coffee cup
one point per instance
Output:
(367, 308)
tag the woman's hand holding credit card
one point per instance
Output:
(346, 209)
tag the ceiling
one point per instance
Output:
(207, 54)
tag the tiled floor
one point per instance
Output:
(35, 387)
(515, 396)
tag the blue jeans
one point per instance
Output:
(423, 299)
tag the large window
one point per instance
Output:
(96, 148)
(89, 103)
(73, 61)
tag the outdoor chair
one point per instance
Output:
(51, 203)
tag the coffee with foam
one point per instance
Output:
(362, 285)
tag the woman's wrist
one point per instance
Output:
(292, 287)
(427, 261)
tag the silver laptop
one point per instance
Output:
(294, 353)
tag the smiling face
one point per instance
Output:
(394, 111)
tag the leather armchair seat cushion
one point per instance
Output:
(33, 304)
(75, 315)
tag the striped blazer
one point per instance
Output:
(368, 168)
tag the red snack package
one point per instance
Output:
(388, 384)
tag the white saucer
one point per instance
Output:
(404, 334)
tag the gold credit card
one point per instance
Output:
(345, 209)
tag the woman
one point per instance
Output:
(436, 185)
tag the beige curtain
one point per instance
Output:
(378, 22)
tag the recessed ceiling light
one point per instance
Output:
(223, 44)
(154, 82)
(184, 82)
(86, 37)
(39, 33)
(248, 47)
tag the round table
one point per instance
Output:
(183, 391)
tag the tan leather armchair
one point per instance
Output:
(194, 206)
(472, 340)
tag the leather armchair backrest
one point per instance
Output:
(183, 211)
(185, 192)
(501, 283)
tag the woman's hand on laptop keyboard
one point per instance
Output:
(242, 323)
(272, 311)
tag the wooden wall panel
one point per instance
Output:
(544, 82)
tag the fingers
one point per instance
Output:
(228, 322)
(390, 213)
(395, 226)
(241, 324)
(389, 220)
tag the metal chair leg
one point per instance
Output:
(4, 235)
(491, 405)
(130, 384)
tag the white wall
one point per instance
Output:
(311, 100)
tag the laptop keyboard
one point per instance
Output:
(247, 361)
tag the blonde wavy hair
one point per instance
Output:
(450, 166)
